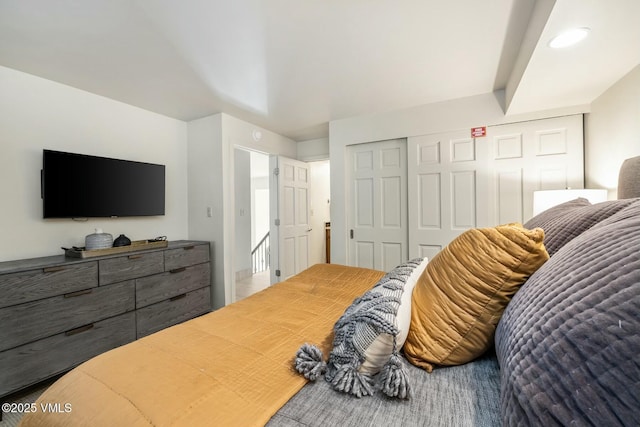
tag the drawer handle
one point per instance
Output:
(177, 297)
(135, 256)
(52, 269)
(78, 293)
(188, 248)
(177, 270)
(79, 330)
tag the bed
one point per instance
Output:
(561, 347)
(230, 367)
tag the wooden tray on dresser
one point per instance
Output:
(136, 245)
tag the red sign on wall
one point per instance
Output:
(478, 132)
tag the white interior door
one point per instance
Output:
(377, 209)
(290, 210)
(446, 186)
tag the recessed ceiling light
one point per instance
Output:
(569, 37)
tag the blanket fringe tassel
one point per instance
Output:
(309, 362)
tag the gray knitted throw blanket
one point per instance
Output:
(369, 316)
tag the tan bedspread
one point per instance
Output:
(231, 367)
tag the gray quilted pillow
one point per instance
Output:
(568, 344)
(558, 210)
(564, 222)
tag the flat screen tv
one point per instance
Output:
(82, 186)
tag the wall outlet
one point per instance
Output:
(209, 212)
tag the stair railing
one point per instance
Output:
(260, 255)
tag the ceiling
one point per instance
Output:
(292, 66)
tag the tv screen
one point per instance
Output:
(82, 186)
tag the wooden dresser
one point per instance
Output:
(56, 312)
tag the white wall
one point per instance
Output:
(35, 114)
(206, 194)
(313, 149)
(211, 183)
(612, 132)
(459, 114)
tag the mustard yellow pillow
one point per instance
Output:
(455, 309)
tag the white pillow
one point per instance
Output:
(370, 334)
(380, 350)
(368, 338)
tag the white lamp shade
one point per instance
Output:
(543, 200)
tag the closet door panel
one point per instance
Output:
(456, 182)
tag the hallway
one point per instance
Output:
(252, 284)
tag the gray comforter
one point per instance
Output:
(467, 395)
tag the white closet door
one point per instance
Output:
(528, 156)
(446, 188)
(457, 182)
(377, 204)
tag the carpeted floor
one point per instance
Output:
(29, 395)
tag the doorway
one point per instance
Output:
(252, 239)
(320, 211)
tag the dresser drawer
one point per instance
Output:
(30, 363)
(39, 319)
(185, 256)
(172, 311)
(31, 285)
(152, 289)
(130, 267)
